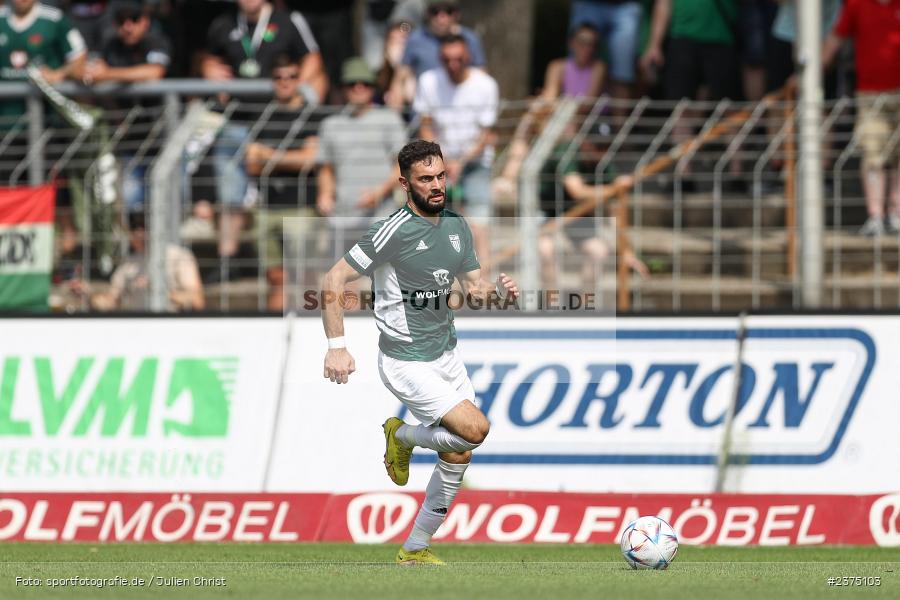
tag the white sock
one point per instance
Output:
(435, 438)
(445, 482)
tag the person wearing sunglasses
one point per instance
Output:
(246, 45)
(134, 53)
(423, 48)
(283, 177)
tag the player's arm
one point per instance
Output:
(338, 362)
(475, 285)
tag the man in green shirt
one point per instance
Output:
(701, 47)
(413, 257)
(32, 33)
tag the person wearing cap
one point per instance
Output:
(135, 53)
(357, 155)
(357, 148)
(423, 47)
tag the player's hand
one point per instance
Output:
(339, 365)
(507, 287)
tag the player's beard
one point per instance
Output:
(423, 204)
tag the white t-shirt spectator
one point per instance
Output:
(459, 112)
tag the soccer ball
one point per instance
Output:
(649, 543)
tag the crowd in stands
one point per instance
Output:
(420, 71)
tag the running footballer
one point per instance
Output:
(417, 252)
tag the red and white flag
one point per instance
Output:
(26, 246)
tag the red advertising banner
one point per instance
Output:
(499, 517)
(40, 517)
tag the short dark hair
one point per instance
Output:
(284, 60)
(584, 25)
(137, 220)
(454, 38)
(417, 151)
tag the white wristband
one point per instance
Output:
(336, 342)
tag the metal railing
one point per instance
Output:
(712, 203)
(703, 193)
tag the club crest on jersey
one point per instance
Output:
(18, 59)
(454, 241)
(442, 276)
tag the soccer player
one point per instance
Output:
(413, 257)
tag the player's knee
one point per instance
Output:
(478, 432)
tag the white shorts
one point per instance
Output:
(428, 389)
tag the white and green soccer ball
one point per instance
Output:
(649, 543)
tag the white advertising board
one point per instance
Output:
(571, 411)
(575, 404)
(137, 404)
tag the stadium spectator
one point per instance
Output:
(283, 170)
(130, 285)
(134, 54)
(582, 73)
(618, 22)
(423, 47)
(374, 29)
(874, 27)
(89, 17)
(35, 34)
(700, 49)
(753, 29)
(411, 12)
(358, 169)
(458, 105)
(394, 45)
(565, 180)
(780, 65)
(246, 45)
(332, 25)
(40, 35)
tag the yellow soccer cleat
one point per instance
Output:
(417, 557)
(396, 455)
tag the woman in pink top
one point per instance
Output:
(581, 74)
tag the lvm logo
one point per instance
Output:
(110, 397)
(661, 396)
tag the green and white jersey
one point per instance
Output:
(412, 264)
(44, 37)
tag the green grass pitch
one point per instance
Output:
(271, 571)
